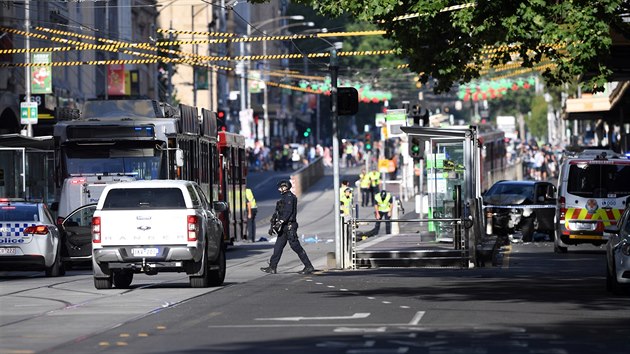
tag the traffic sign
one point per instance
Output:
(28, 113)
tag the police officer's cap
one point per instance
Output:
(348, 190)
(285, 183)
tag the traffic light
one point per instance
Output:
(368, 142)
(415, 114)
(307, 132)
(415, 147)
(221, 117)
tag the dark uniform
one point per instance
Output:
(284, 223)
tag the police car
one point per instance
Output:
(29, 239)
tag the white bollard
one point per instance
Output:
(395, 225)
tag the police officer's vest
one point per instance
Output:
(365, 180)
(250, 197)
(376, 178)
(346, 203)
(383, 204)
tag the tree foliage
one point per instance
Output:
(537, 121)
(451, 43)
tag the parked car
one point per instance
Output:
(76, 235)
(29, 239)
(618, 255)
(525, 206)
(157, 226)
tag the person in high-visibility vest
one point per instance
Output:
(365, 183)
(375, 176)
(383, 210)
(252, 210)
(346, 202)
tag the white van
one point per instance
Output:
(78, 191)
(592, 189)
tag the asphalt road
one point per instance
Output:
(536, 301)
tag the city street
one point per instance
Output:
(535, 302)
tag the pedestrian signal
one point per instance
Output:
(415, 147)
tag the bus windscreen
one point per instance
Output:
(143, 162)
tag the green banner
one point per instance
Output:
(201, 78)
(41, 76)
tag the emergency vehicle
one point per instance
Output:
(592, 190)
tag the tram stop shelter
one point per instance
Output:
(27, 167)
(452, 231)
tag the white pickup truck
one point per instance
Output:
(157, 226)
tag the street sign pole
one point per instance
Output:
(27, 54)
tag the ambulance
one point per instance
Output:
(592, 190)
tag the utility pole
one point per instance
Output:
(334, 69)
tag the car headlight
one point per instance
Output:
(625, 248)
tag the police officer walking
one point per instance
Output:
(284, 224)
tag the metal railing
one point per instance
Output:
(463, 239)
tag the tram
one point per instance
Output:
(233, 182)
(121, 140)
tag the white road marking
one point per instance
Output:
(416, 319)
(323, 318)
(330, 344)
(360, 330)
(378, 351)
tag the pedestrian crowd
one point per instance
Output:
(539, 162)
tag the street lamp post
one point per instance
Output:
(258, 25)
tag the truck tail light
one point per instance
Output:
(36, 230)
(96, 229)
(563, 208)
(192, 228)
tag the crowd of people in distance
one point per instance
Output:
(540, 162)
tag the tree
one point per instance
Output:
(454, 43)
(536, 121)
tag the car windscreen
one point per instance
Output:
(510, 193)
(145, 198)
(599, 180)
(507, 188)
(19, 213)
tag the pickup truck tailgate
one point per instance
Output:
(140, 227)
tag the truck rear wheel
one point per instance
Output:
(201, 281)
(217, 276)
(103, 283)
(122, 279)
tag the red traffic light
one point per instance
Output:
(221, 114)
